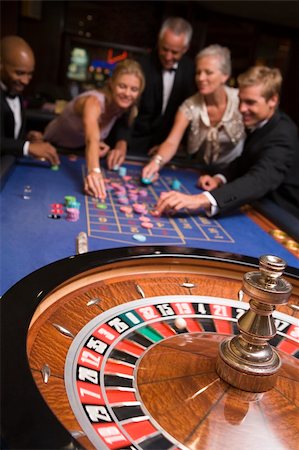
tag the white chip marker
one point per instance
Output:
(82, 243)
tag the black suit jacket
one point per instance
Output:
(267, 168)
(151, 127)
(9, 145)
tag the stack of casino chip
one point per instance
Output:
(56, 211)
(72, 208)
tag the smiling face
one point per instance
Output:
(17, 71)
(125, 90)
(254, 107)
(208, 75)
(171, 48)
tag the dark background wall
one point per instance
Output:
(255, 31)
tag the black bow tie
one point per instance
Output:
(8, 95)
(173, 69)
(249, 131)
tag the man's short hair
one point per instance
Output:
(219, 52)
(178, 26)
(269, 78)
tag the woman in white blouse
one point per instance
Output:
(216, 132)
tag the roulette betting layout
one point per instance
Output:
(122, 345)
(113, 225)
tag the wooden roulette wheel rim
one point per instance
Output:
(60, 306)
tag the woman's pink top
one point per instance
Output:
(67, 129)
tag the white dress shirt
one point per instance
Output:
(15, 106)
(168, 80)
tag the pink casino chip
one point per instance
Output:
(144, 219)
(126, 209)
(147, 225)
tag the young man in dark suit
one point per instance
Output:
(268, 167)
(170, 79)
(16, 70)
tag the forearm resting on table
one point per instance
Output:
(174, 201)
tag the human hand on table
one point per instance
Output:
(44, 151)
(151, 171)
(94, 184)
(116, 157)
(173, 201)
(208, 183)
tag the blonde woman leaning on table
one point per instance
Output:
(216, 131)
(88, 119)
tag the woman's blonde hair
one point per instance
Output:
(270, 79)
(126, 67)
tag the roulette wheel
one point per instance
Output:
(133, 349)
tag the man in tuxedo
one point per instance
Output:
(268, 167)
(16, 70)
(170, 79)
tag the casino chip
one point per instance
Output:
(123, 200)
(176, 185)
(55, 168)
(139, 208)
(139, 237)
(69, 198)
(72, 214)
(126, 209)
(146, 180)
(101, 205)
(143, 193)
(54, 216)
(147, 225)
(154, 213)
(122, 171)
(144, 219)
